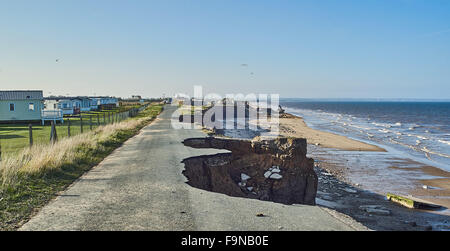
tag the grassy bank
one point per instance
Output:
(31, 178)
(15, 137)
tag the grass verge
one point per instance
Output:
(15, 137)
(31, 178)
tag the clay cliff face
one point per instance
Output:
(272, 170)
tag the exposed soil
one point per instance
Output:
(272, 170)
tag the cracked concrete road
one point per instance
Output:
(140, 187)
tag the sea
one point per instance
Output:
(416, 130)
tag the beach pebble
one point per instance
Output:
(276, 176)
(379, 212)
(244, 177)
(349, 190)
(411, 223)
(425, 187)
(276, 170)
(376, 210)
(326, 197)
(267, 174)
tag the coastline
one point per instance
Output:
(294, 126)
(437, 184)
(337, 172)
(339, 192)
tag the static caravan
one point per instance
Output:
(51, 111)
(84, 104)
(20, 106)
(107, 103)
(66, 105)
(51, 104)
(93, 104)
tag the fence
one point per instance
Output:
(27, 135)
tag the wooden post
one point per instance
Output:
(109, 117)
(81, 124)
(90, 122)
(53, 134)
(247, 115)
(104, 118)
(0, 151)
(68, 127)
(30, 132)
(98, 119)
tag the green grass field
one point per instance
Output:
(14, 137)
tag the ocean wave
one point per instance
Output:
(444, 142)
(422, 141)
(406, 145)
(426, 150)
(413, 127)
(360, 127)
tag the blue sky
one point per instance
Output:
(307, 49)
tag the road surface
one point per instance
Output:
(140, 187)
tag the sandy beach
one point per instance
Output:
(438, 188)
(434, 189)
(294, 126)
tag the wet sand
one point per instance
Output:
(293, 126)
(438, 190)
